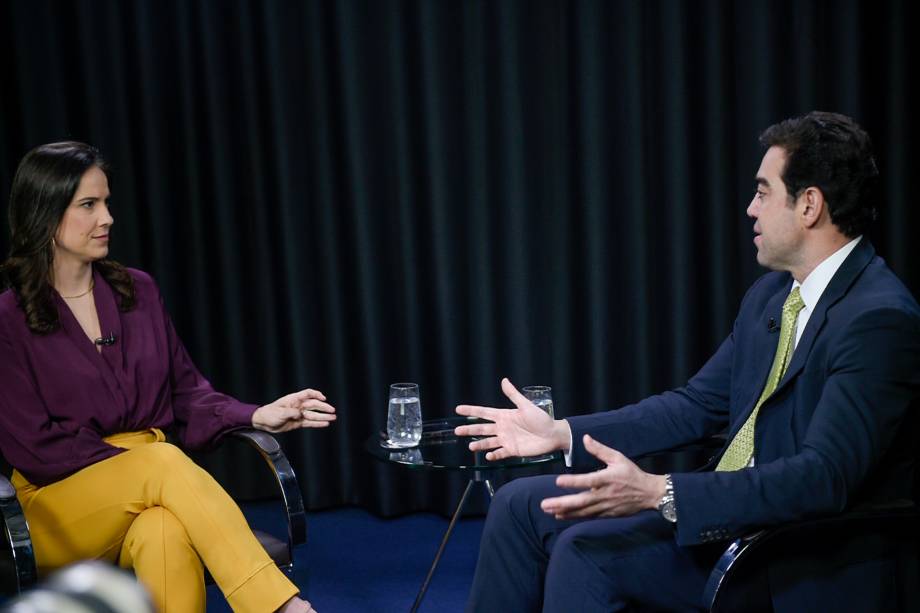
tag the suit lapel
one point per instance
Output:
(767, 336)
(835, 290)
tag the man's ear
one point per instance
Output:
(812, 206)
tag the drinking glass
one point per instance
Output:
(540, 395)
(407, 456)
(404, 417)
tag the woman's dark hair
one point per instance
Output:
(831, 152)
(44, 185)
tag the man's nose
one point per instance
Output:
(753, 208)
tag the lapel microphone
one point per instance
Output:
(771, 326)
(106, 341)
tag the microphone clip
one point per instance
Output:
(106, 341)
(772, 326)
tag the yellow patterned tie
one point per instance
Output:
(739, 452)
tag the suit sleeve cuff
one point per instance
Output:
(567, 454)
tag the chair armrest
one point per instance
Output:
(7, 491)
(17, 572)
(271, 452)
(810, 537)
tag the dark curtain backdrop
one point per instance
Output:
(346, 194)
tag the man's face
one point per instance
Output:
(778, 235)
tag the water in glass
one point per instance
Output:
(404, 421)
(540, 395)
(546, 404)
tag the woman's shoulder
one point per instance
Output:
(7, 299)
(140, 276)
(10, 313)
(8, 303)
(143, 281)
(146, 292)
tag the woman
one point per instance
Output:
(91, 371)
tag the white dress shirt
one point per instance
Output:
(816, 282)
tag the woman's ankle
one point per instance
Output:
(296, 605)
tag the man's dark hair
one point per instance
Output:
(831, 152)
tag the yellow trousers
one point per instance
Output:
(153, 510)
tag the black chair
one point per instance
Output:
(17, 563)
(17, 559)
(811, 560)
(772, 564)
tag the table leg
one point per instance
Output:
(437, 557)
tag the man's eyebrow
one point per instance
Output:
(761, 182)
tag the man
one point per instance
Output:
(812, 385)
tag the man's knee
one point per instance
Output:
(517, 497)
(574, 578)
(570, 546)
(516, 505)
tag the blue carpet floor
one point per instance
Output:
(355, 562)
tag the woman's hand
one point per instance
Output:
(304, 409)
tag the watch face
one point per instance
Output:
(669, 512)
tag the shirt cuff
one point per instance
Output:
(567, 455)
(239, 415)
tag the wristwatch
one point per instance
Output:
(666, 505)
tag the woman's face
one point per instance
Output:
(83, 235)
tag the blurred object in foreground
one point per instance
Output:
(86, 587)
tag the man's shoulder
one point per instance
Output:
(879, 288)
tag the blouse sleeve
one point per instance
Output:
(202, 413)
(44, 450)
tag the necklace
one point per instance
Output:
(91, 284)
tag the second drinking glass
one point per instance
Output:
(404, 416)
(540, 395)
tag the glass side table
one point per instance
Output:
(441, 449)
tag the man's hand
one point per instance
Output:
(304, 409)
(620, 489)
(523, 431)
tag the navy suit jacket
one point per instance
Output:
(834, 433)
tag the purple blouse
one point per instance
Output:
(59, 396)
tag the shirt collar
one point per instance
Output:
(817, 280)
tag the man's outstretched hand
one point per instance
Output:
(523, 431)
